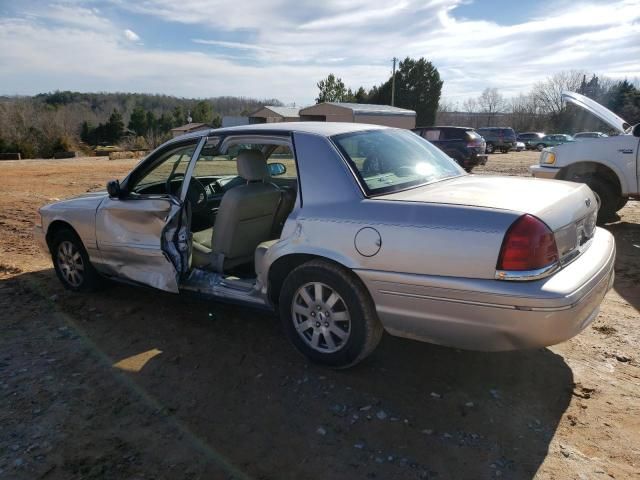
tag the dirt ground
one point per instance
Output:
(131, 383)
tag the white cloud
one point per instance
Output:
(131, 35)
(283, 47)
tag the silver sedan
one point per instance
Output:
(346, 230)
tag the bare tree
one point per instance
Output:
(548, 93)
(491, 101)
(470, 105)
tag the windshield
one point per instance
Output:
(392, 159)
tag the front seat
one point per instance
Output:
(245, 217)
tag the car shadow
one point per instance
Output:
(627, 281)
(412, 410)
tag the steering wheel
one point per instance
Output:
(196, 193)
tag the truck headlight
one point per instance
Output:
(548, 158)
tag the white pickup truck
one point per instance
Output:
(609, 165)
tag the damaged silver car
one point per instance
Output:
(345, 230)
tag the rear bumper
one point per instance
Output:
(475, 159)
(493, 315)
(539, 171)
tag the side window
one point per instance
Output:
(432, 135)
(168, 171)
(283, 154)
(214, 165)
(452, 134)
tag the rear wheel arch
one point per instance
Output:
(280, 268)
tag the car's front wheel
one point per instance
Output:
(71, 263)
(540, 147)
(328, 315)
(489, 148)
(607, 197)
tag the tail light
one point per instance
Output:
(528, 246)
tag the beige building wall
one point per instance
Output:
(397, 121)
(334, 113)
(272, 117)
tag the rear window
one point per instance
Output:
(453, 134)
(431, 135)
(389, 160)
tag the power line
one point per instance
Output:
(393, 83)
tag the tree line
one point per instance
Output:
(43, 124)
(418, 87)
(542, 108)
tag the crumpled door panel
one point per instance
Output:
(130, 233)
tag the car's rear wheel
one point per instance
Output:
(540, 147)
(489, 148)
(328, 315)
(71, 263)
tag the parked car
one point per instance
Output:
(580, 135)
(553, 140)
(363, 229)
(530, 139)
(498, 138)
(609, 165)
(463, 144)
(520, 147)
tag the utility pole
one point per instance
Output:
(393, 83)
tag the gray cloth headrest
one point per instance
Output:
(252, 165)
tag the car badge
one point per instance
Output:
(587, 202)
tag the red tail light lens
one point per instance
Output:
(528, 245)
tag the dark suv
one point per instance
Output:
(463, 144)
(498, 138)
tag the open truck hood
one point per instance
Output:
(557, 203)
(604, 114)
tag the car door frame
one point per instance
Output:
(158, 253)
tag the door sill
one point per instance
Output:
(225, 287)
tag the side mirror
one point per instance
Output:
(276, 169)
(636, 130)
(113, 188)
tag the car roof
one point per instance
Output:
(326, 129)
(435, 127)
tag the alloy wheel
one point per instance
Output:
(70, 263)
(321, 317)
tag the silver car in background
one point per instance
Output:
(346, 230)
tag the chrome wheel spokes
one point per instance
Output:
(321, 317)
(70, 263)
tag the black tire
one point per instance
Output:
(365, 329)
(623, 201)
(88, 280)
(540, 147)
(505, 150)
(607, 196)
(489, 148)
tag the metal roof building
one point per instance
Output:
(359, 113)
(188, 128)
(273, 114)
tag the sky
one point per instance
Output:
(282, 48)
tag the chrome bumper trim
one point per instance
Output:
(527, 275)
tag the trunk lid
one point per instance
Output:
(604, 114)
(557, 203)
